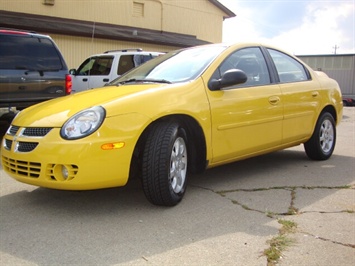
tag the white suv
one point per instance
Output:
(99, 69)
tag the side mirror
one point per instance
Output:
(229, 78)
(72, 71)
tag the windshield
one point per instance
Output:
(176, 66)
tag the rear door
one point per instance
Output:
(300, 94)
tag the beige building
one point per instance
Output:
(85, 27)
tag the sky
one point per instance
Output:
(301, 27)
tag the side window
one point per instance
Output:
(86, 66)
(142, 58)
(96, 66)
(288, 69)
(125, 64)
(251, 61)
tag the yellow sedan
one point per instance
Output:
(180, 113)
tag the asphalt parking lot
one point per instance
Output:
(229, 216)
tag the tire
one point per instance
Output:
(321, 145)
(164, 164)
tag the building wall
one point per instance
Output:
(339, 67)
(85, 47)
(196, 17)
(199, 17)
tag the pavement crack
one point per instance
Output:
(327, 212)
(283, 240)
(329, 240)
(279, 243)
(292, 210)
(281, 187)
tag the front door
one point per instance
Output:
(94, 72)
(246, 119)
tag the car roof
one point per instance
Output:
(15, 32)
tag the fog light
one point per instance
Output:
(60, 172)
(65, 172)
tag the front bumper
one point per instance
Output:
(50, 161)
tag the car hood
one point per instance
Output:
(54, 113)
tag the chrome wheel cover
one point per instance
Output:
(178, 165)
(326, 136)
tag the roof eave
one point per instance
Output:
(228, 12)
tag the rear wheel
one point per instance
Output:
(164, 164)
(321, 145)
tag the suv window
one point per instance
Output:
(28, 53)
(288, 69)
(99, 69)
(127, 62)
(101, 65)
(96, 66)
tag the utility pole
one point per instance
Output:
(335, 48)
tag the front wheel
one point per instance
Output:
(321, 145)
(164, 164)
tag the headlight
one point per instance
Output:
(83, 123)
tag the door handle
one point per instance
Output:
(106, 80)
(315, 94)
(274, 100)
(85, 79)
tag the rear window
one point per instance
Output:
(30, 53)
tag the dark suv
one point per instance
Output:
(32, 69)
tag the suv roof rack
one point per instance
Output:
(125, 50)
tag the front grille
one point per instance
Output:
(13, 130)
(22, 168)
(26, 146)
(30, 131)
(8, 144)
(36, 131)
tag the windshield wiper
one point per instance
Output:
(144, 81)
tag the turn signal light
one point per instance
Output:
(112, 146)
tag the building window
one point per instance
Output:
(138, 9)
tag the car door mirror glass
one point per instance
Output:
(72, 71)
